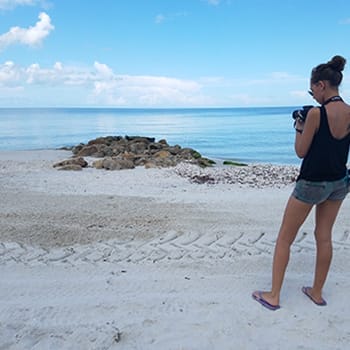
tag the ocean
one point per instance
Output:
(251, 135)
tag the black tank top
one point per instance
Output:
(327, 157)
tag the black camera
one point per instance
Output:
(301, 113)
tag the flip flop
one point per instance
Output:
(306, 290)
(259, 298)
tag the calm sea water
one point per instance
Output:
(263, 135)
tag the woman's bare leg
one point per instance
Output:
(326, 214)
(294, 216)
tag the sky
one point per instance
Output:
(167, 53)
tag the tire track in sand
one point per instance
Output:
(172, 245)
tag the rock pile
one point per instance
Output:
(118, 152)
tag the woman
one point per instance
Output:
(322, 141)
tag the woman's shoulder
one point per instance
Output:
(314, 112)
(342, 108)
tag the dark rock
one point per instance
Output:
(140, 138)
(72, 161)
(117, 164)
(87, 151)
(75, 167)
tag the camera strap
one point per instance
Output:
(332, 99)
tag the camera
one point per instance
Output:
(301, 113)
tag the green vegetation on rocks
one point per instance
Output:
(233, 163)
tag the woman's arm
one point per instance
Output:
(308, 129)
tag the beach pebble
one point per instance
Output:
(257, 175)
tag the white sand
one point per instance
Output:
(143, 259)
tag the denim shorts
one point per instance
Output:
(316, 192)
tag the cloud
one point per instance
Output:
(15, 75)
(345, 21)
(103, 70)
(299, 93)
(213, 2)
(9, 75)
(32, 36)
(10, 4)
(105, 81)
(99, 85)
(102, 86)
(64, 75)
(160, 18)
(148, 91)
(274, 79)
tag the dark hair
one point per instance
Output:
(331, 71)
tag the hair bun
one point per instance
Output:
(337, 63)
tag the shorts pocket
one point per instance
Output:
(311, 192)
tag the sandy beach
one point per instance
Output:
(146, 259)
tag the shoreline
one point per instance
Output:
(218, 160)
(145, 258)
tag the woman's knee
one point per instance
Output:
(286, 237)
(323, 236)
